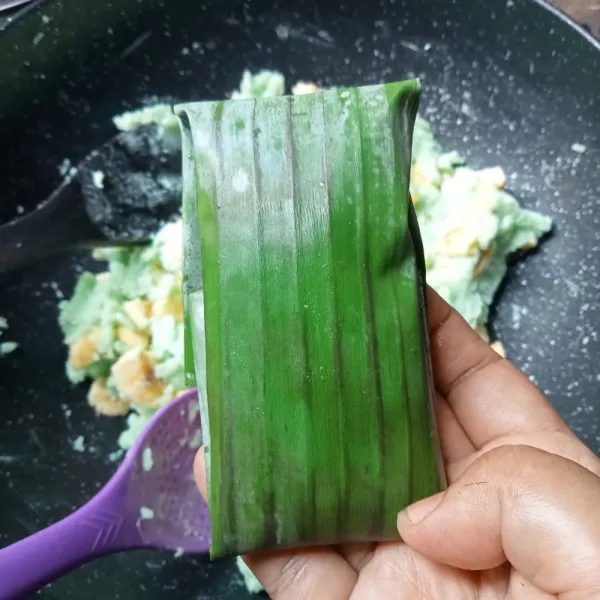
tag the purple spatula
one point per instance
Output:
(150, 502)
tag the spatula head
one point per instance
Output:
(172, 514)
(132, 184)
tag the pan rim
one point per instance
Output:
(569, 21)
(546, 5)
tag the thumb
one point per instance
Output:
(539, 511)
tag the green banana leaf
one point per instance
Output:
(305, 316)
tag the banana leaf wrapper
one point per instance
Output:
(304, 285)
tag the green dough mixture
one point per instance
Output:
(124, 326)
(252, 584)
(469, 225)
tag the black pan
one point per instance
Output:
(508, 83)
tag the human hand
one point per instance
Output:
(520, 519)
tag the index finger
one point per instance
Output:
(490, 397)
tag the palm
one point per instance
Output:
(482, 403)
(390, 571)
(394, 571)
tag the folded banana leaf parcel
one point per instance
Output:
(304, 284)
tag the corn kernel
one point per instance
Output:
(495, 176)
(103, 402)
(304, 87)
(483, 262)
(483, 333)
(138, 312)
(135, 379)
(84, 351)
(417, 176)
(131, 338)
(168, 306)
(499, 348)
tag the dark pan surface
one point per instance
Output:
(490, 91)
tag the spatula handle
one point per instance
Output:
(60, 223)
(97, 529)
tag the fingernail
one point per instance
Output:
(415, 513)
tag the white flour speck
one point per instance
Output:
(196, 440)
(64, 167)
(98, 179)
(147, 462)
(282, 31)
(240, 181)
(116, 455)
(146, 513)
(78, 444)
(57, 291)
